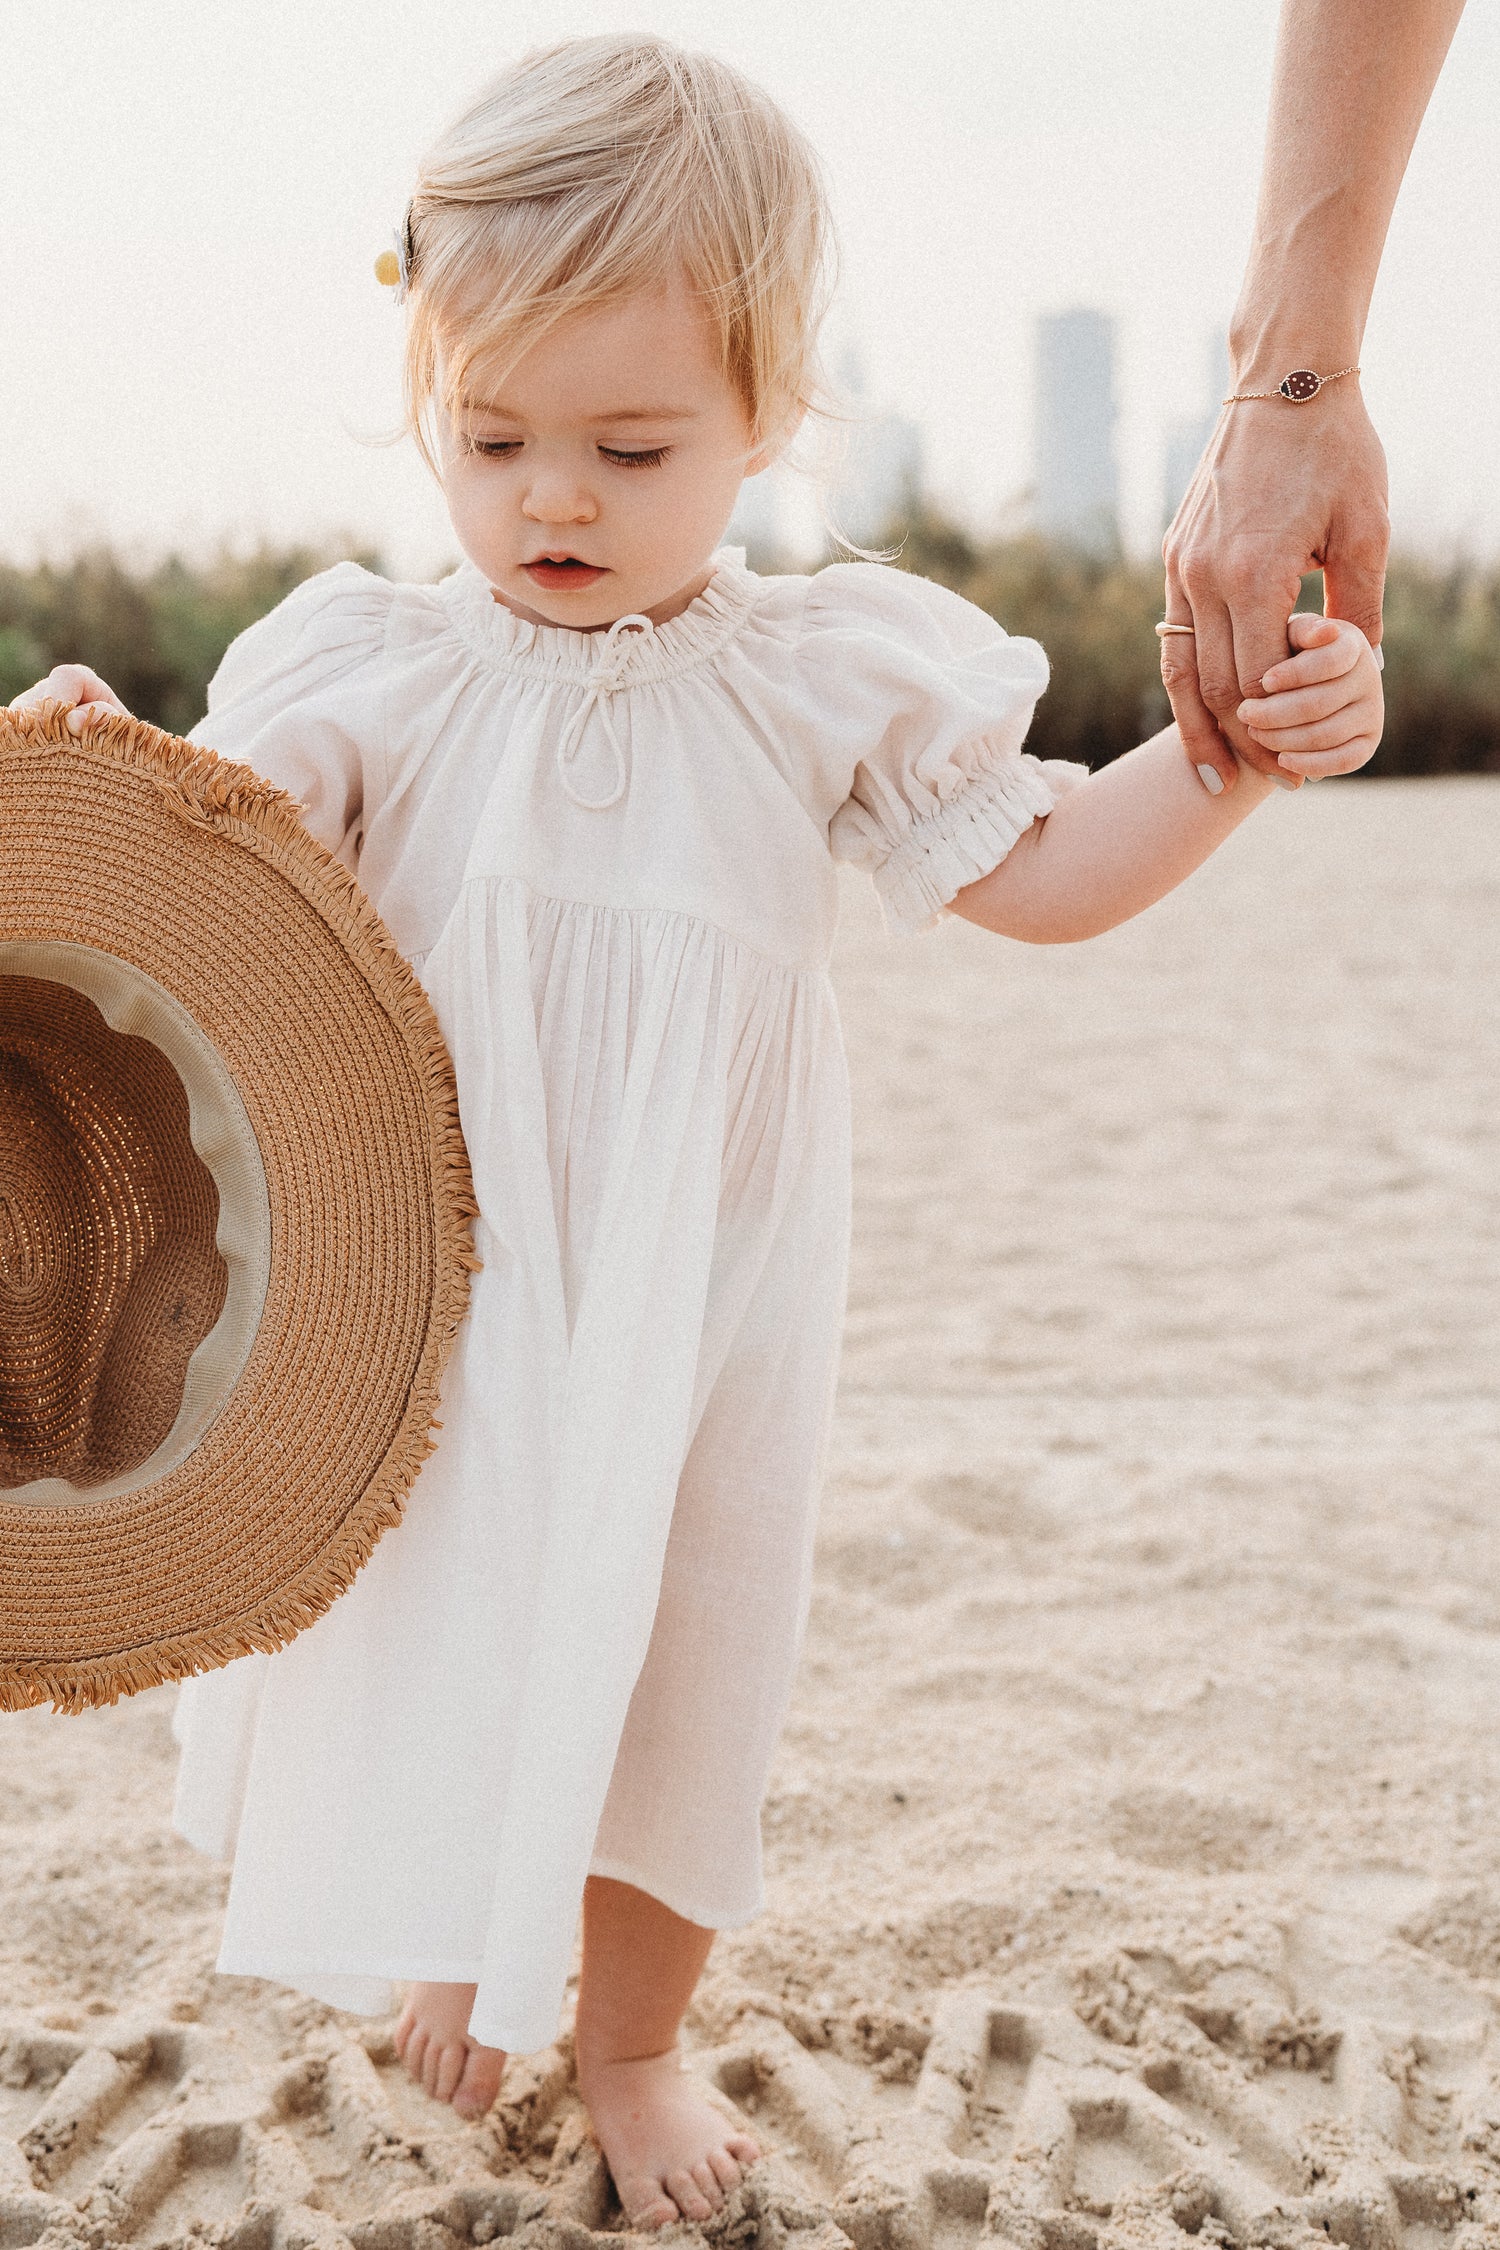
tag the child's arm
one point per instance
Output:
(1134, 831)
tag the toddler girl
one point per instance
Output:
(598, 782)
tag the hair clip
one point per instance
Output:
(393, 267)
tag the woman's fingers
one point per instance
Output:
(1217, 766)
(1219, 681)
(1213, 651)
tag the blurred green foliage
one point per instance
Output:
(1442, 670)
(22, 660)
(157, 634)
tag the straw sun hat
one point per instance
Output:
(234, 1215)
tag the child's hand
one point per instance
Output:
(1322, 711)
(81, 692)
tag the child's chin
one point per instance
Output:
(573, 599)
(588, 607)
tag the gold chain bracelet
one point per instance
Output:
(1301, 385)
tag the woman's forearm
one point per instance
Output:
(1110, 848)
(1350, 87)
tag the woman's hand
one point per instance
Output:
(1281, 490)
(1322, 710)
(82, 694)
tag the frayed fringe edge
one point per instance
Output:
(213, 792)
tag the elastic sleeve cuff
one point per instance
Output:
(960, 841)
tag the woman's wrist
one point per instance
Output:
(1268, 341)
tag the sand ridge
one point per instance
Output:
(1132, 1850)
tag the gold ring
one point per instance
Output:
(1163, 630)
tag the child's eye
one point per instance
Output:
(495, 449)
(652, 458)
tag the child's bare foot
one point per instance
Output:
(671, 2154)
(432, 2039)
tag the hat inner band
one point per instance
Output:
(223, 1142)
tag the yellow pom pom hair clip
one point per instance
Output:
(393, 267)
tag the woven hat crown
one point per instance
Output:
(235, 1215)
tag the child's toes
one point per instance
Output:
(688, 2196)
(648, 2206)
(479, 2082)
(450, 2069)
(724, 2168)
(709, 2183)
(743, 2149)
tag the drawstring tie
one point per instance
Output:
(608, 674)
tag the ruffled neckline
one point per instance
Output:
(561, 652)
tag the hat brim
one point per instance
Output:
(202, 877)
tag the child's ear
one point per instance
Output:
(772, 448)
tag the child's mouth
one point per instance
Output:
(555, 571)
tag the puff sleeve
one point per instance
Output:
(298, 697)
(927, 700)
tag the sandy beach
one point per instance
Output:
(1133, 1847)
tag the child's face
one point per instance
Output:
(599, 476)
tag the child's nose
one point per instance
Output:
(556, 499)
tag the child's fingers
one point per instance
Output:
(1323, 734)
(1330, 660)
(1348, 758)
(1309, 628)
(71, 685)
(84, 715)
(1270, 714)
(83, 695)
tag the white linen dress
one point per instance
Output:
(610, 858)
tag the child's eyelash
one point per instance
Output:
(501, 449)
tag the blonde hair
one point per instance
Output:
(596, 167)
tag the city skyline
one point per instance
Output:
(1072, 493)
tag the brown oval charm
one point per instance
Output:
(1300, 384)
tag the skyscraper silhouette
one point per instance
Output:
(1077, 489)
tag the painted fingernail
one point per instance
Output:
(1285, 781)
(1212, 780)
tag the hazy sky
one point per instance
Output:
(194, 191)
